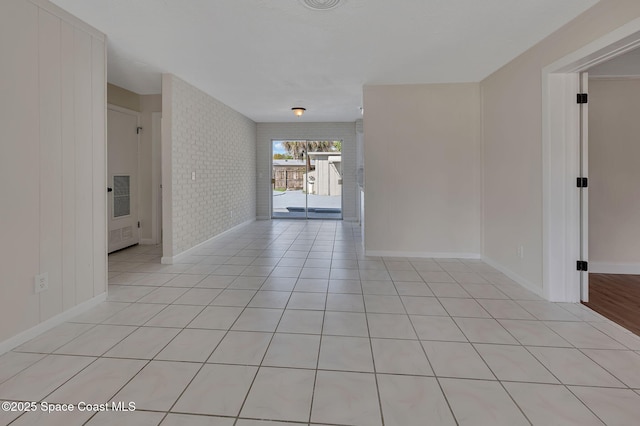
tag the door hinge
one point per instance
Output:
(582, 182)
(581, 265)
(583, 98)
(138, 224)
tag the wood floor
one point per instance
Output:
(617, 297)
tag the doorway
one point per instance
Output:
(561, 144)
(306, 179)
(122, 178)
(614, 205)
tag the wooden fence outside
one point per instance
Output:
(289, 177)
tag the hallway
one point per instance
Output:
(287, 321)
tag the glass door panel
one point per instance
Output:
(287, 179)
(324, 180)
(306, 179)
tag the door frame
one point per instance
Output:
(584, 192)
(136, 199)
(271, 177)
(561, 144)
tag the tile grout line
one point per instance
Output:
(259, 367)
(292, 233)
(446, 398)
(153, 358)
(204, 363)
(315, 376)
(375, 374)
(494, 374)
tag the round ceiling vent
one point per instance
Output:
(321, 4)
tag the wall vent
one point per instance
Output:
(115, 236)
(127, 233)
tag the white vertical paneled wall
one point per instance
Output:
(52, 166)
(50, 158)
(99, 155)
(19, 169)
(268, 132)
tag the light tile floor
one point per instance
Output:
(286, 322)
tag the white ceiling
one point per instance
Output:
(262, 57)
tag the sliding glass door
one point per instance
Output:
(306, 179)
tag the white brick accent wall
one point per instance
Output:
(267, 132)
(218, 144)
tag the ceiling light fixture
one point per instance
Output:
(298, 111)
(321, 4)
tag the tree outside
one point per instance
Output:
(296, 149)
(279, 156)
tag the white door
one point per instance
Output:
(122, 175)
(584, 191)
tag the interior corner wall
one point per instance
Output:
(512, 142)
(208, 167)
(52, 166)
(614, 176)
(268, 132)
(422, 170)
(148, 105)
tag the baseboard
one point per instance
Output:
(263, 217)
(515, 277)
(421, 254)
(168, 260)
(614, 268)
(147, 241)
(35, 331)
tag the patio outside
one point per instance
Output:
(290, 204)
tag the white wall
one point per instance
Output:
(422, 170)
(202, 135)
(268, 132)
(52, 166)
(512, 142)
(614, 176)
(148, 105)
(124, 98)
